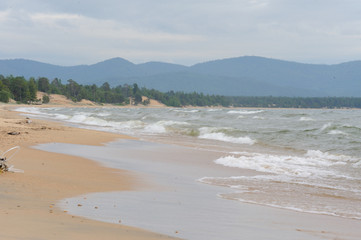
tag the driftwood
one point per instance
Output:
(3, 166)
(13, 133)
(6, 156)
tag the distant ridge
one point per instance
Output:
(246, 76)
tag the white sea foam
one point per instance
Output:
(336, 132)
(235, 181)
(259, 190)
(245, 112)
(161, 126)
(306, 119)
(79, 118)
(331, 157)
(104, 114)
(31, 110)
(155, 128)
(223, 137)
(109, 125)
(85, 119)
(61, 117)
(314, 164)
(297, 209)
(325, 126)
(357, 164)
(186, 111)
(128, 125)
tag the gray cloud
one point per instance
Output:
(184, 31)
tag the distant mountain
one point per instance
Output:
(319, 80)
(247, 76)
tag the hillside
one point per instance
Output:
(246, 76)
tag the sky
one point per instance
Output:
(74, 32)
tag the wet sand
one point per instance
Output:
(28, 200)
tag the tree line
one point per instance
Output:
(25, 91)
(295, 102)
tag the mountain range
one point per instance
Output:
(242, 76)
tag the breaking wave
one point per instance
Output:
(312, 164)
(217, 134)
(244, 112)
(306, 119)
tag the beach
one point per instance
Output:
(27, 203)
(72, 175)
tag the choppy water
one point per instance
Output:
(307, 160)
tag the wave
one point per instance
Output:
(357, 164)
(39, 112)
(350, 215)
(326, 126)
(224, 138)
(245, 112)
(260, 189)
(216, 134)
(292, 115)
(336, 132)
(351, 127)
(58, 116)
(33, 110)
(127, 125)
(235, 182)
(84, 118)
(87, 119)
(105, 114)
(258, 117)
(332, 129)
(162, 126)
(314, 164)
(317, 154)
(186, 111)
(306, 119)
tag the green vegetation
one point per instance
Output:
(180, 99)
(46, 99)
(17, 88)
(4, 96)
(24, 91)
(296, 102)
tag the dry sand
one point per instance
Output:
(60, 100)
(27, 199)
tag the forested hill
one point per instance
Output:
(242, 76)
(25, 91)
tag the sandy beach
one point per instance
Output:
(164, 182)
(27, 203)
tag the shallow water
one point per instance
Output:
(173, 203)
(311, 158)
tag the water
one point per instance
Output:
(306, 160)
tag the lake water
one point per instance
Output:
(305, 160)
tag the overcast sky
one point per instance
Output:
(71, 32)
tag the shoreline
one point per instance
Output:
(40, 131)
(175, 170)
(28, 199)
